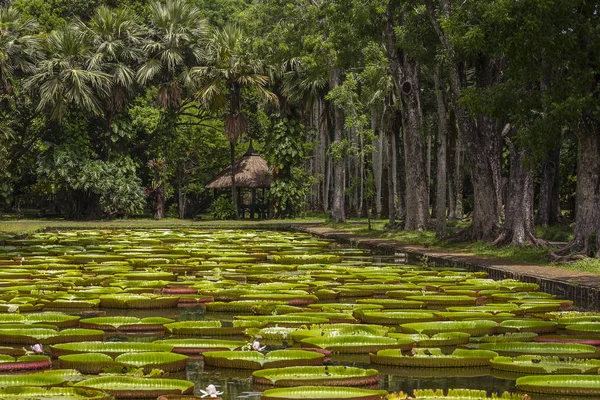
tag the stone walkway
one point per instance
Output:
(581, 287)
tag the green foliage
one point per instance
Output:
(114, 183)
(222, 208)
(285, 150)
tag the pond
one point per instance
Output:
(85, 305)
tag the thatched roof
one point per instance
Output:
(251, 171)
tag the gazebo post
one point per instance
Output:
(240, 202)
(253, 204)
(265, 206)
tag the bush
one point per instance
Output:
(222, 208)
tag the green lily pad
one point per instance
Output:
(147, 388)
(539, 365)
(316, 376)
(434, 358)
(257, 360)
(564, 385)
(323, 392)
(356, 344)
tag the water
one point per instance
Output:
(237, 384)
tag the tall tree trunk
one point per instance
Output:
(159, 202)
(337, 208)
(377, 158)
(455, 175)
(404, 71)
(400, 174)
(440, 202)
(234, 198)
(390, 179)
(417, 206)
(519, 228)
(482, 145)
(586, 240)
(549, 202)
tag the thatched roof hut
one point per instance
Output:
(251, 171)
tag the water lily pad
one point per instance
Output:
(199, 346)
(434, 358)
(316, 376)
(147, 388)
(323, 392)
(564, 385)
(473, 328)
(257, 360)
(549, 349)
(52, 393)
(356, 344)
(539, 365)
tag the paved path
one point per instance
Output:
(581, 287)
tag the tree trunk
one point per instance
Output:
(549, 202)
(377, 160)
(482, 145)
(404, 71)
(391, 193)
(159, 202)
(400, 175)
(337, 208)
(440, 201)
(234, 198)
(455, 173)
(586, 241)
(482, 150)
(417, 207)
(519, 229)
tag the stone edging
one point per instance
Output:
(583, 288)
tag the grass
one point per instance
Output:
(27, 226)
(529, 255)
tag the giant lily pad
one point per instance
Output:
(257, 360)
(548, 349)
(52, 393)
(323, 392)
(126, 324)
(126, 386)
(199, 346)
(357, 344)
(316, 376)
(565, 385)
(109, 348)
(463, 394)
(539, 365)
(473, 328)
(434, 358)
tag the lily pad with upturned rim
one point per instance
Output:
(434, 358)
(257, 360)
(316, 376)
(357, 344)
(323, 392)
(565, 385)
(147, 388)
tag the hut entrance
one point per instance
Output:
(252, 179)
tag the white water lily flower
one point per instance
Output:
(256, 346)
(211, 391)
(37, 348)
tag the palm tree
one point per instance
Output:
(19, 51)
(230, 67)
(115, 38)
(67, 77)
(175, 43)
